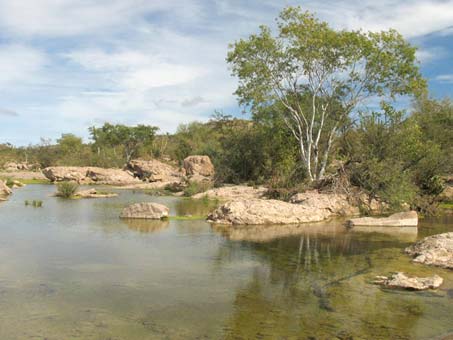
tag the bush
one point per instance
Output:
(67, 189)
(9, 182)
(196, 187)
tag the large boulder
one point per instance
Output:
(5, 191)
(154, 171)
(89, 175)
(234, 192)
(259, 211)
(436, 250)
(110, 176)
(145, 210)
(66, 173)
(402, 219)
(199, 168)
(400, 280)
(336, 204)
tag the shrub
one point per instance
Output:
(9, 182)
(67, 189)
(194, 188)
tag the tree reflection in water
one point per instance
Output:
(313, 283)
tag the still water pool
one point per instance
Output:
(73, 270)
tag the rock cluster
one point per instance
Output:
(436, 250)
(402, 219)
(24, 166)
(145, 210)
(259, 211)
(400, 280)
(250, 208)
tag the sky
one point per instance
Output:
(66, 65)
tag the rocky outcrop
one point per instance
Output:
(89, 175)
(259, 211)
(145, 210)
(13, 166)
(409, 219)
(5, 191)
(436, 250)
(199, 168)
(336, 204)
(94, 193)
(154, 171)
(400, 280)
(110, 176)
(66, 173)
(235, 192)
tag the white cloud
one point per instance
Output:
(445, 78)
(159, 62)
(70, 17)
(19, 63)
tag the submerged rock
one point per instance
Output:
(400, 280)
(233, 193)
(145, 210)
(409, 218)
(436, 250)
(93, 193)
(5, 191)
(259, 211)
(199, 168)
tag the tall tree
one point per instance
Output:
(320, 76)
(130, 138)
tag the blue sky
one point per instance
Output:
(68, 64)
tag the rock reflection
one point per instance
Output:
(269, 233)
(146, 226)
(404, 234)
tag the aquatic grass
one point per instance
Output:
(67, 189)
(34, 203)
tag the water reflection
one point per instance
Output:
(146, 226)
(73, 269)
(405, 234)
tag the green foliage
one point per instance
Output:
(320, 77)
(393, 158)
(194, 188)
(67, 189)
(9, 182)
(129, 138)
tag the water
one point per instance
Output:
(73, 270)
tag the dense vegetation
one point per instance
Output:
(312, 121)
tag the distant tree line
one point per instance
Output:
(323, 104)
